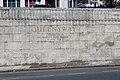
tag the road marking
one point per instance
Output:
(51, 75)
(28, 77)
(111, 71)
(76, 73)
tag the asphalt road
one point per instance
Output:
(96, 73)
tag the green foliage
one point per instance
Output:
(118, 3)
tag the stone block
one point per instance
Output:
(58, 35)
(112, 28)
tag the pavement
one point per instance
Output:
(56, 66)
(13, 68)
(93, 73)
(28, 67)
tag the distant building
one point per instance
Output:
(98, 2)
(54, 3)
(30, 3)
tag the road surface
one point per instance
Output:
(95, 73)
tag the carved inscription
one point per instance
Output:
(53, 29)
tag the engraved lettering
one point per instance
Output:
(69, 29)
(64, 29)
(53, 29)
(34, 29)
(73, 28)
(39, 29)
(59, 30)
(48, 29)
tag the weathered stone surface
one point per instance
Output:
(58, 35)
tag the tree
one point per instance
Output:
(109, 3)
(83, 1)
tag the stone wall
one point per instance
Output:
(30, 35)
